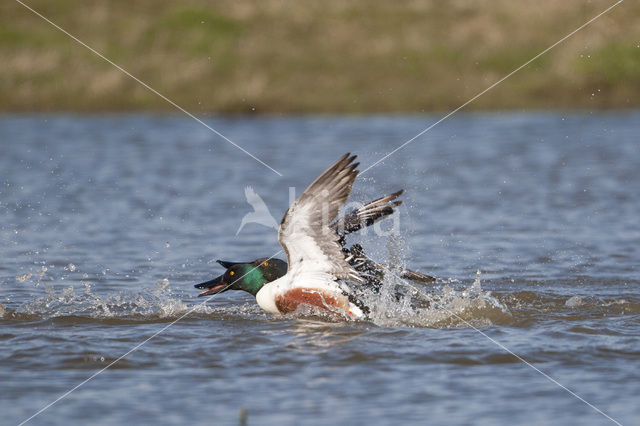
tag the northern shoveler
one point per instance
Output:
(251, 276)
(322, 263)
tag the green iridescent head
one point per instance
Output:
(246, 276)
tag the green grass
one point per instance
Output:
(505, 60)
(13, 37)
(361, 56)
(196, 30)
(615, 64)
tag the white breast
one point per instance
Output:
(266, 296)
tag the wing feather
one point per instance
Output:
(366, 215)
(305, 232)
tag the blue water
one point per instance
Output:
(108, 221)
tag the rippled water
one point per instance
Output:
(107, 221)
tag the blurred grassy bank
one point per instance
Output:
(330, 56)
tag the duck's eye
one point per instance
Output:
(266, 263)
(232, 273)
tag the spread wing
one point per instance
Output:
(305, 233)
(366, 215)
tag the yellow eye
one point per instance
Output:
(266, 263)
(232, 273)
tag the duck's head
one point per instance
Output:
(247, 276)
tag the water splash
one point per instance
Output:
(158, 301)
(402, 303)
(445, 303)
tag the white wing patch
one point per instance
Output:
(305, 233)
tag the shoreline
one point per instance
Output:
(362, 57)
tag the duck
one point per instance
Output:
(356, 219)
(320, 271)
(252, 275)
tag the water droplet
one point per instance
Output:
(22, 278)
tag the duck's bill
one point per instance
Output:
(215, 286)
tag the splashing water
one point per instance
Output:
(401, 303)
(155, 302)
(445, 303)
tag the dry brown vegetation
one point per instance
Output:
(330, 56)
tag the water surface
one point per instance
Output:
(107, 221)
